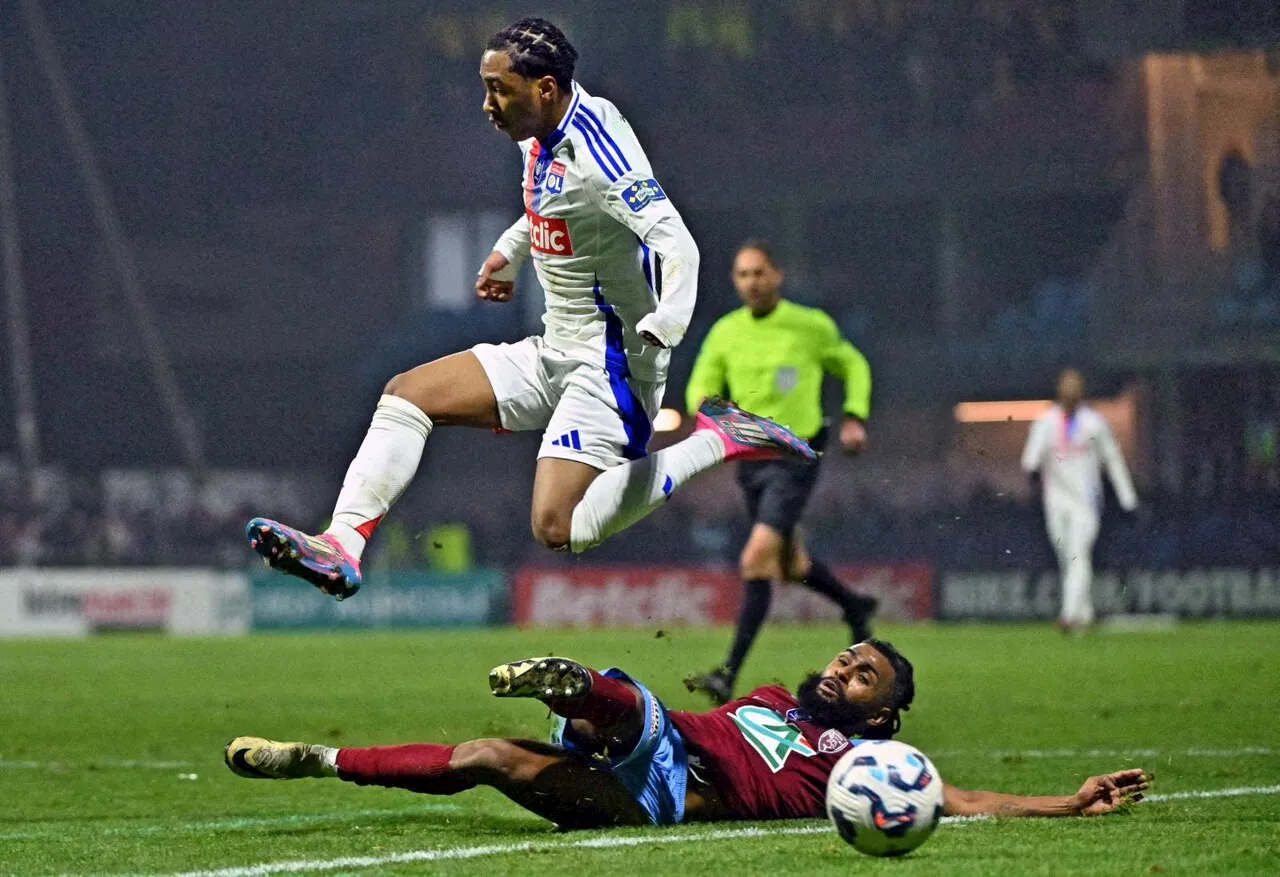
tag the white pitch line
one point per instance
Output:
(448, 854)
(305, 865)
(21, 764)
(246, 822)
(1216, 793)
(300, 866)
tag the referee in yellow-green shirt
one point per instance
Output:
(770, 355)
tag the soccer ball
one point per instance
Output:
(884, 797)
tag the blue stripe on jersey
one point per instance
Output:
(588, 130)
(540, 166)
(558, 134)
(644, 262)
(591, 144)
(635, 421)
(599, 126)
(537, 183)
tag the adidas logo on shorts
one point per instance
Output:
(570, 439)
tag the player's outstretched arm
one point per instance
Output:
(496, 279)
(629, 193)
(1117, 471)
(1100, 794)
(1037, 443)
(490, 285)
(673, 243)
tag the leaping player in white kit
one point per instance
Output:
(1068, 446)
(619, 270)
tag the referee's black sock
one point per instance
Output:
(755, 607)
(856, 608)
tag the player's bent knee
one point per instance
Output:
(755, 564)
(488, 761)
(416, 386)
(399, 386)
(551, 527)
(752, 572)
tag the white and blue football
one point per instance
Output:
(884, 797)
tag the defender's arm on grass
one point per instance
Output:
(1099, 795)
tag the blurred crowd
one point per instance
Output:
(987, 531)
(87, 533)
(140, 517)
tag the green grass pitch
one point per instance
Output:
(110, 752)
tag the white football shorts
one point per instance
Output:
(592, 413)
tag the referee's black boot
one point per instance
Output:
(717, 685)
(858, 616)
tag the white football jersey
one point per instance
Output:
(609, 247)
(1070, 451)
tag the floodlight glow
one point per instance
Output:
(668, 420)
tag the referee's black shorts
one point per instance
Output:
(777, 490)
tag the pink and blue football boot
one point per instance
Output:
(319, 560)
(748, 436)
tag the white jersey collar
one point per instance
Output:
(556, 136)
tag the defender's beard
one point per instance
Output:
(848, 717)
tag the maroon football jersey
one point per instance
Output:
(762, 755)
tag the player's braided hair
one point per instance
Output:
(537, 48)
(904, 690)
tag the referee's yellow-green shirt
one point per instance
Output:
(773, 366)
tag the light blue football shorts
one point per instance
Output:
(656, 771)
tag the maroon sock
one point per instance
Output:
(418, 767)
(609, 703)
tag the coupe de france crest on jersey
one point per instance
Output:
(642, 193)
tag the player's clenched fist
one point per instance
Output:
(493, 284)
(853, 435)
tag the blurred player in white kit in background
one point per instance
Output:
(1067, 447)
